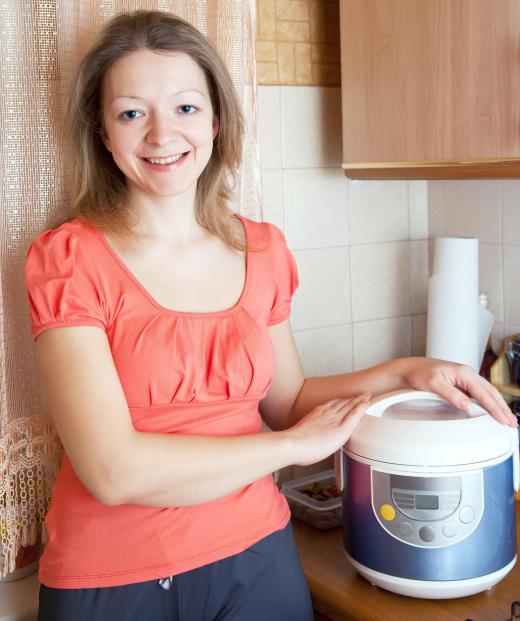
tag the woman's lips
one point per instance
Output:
(165, 167)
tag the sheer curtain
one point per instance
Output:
(40, 45)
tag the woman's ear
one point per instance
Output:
(216, 126)
(105, 139)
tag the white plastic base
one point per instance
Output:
(19, 599)
(432, 589)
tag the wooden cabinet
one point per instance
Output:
(430, 88)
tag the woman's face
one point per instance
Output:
(158, 121)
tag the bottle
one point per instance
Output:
(489, 355)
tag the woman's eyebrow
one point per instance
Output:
(189, 90)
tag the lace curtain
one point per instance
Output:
(41, 43)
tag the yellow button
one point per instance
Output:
(387, 512)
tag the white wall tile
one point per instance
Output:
(419, 275)
(380, 275)
(491, 278)
(418, 209)
(378, 211)
(419, 325)
(511, 211)
(511, 284)
(325, 351)
(436, 224)
(473, 209)
(272, 198)
(316, 207)
(311, 127)
(378, 341)
(269, 127)
(323, 298)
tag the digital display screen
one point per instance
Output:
(426, 502)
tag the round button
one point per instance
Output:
(387, 512)
(449, 530)
(426, 533)
(466, 515)
(405, 529)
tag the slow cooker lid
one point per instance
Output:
(422, 429)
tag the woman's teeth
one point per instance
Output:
(164, 160)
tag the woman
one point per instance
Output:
(161, 325)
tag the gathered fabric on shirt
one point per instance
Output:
(181, 372)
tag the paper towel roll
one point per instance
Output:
(458, 327)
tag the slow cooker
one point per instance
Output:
(428, 496)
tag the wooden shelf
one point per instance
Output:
(512, 390)
(501, 374)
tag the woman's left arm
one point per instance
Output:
(292, 395)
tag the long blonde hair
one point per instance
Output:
(100, 191)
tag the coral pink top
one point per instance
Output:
(182, 372)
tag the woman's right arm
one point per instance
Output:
(118, 464)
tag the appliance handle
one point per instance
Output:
(380, 404)
(516, 459)
(338, 470)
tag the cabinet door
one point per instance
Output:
(430, 88)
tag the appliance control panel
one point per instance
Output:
(428, 511)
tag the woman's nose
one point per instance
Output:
(162, 129)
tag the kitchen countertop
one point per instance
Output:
(340, 594)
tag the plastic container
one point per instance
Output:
(321, 514)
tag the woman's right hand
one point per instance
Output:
(326, 428)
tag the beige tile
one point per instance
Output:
(269, 127)
(378, 341)
(292, 31)
(323, 298)
(266, 73)
(332, 19)
(328, 75)
(286, 67)
(318, 22)
(325, 351)
(325, 53)
(419, 323)
(418, 209)
(511, 211)
(266, 51)
(491, 278)
(472, 209)
(511, 286)
(311, 127)
(436, 225)
(302, 54)
(380, 275)
(310, 226)
(378, 211)
(267, 20)
(292, 10)
(419, 276)
(272, 197)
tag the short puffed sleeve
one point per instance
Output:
(62, 285)
(285, 275)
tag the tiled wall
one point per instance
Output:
(361, 246)
(489, 210)
(297, 42)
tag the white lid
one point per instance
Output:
(422, 429)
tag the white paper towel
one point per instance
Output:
(458, 327)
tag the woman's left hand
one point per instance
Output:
(457, 383)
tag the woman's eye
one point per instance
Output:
(187, 109)
(130, 115)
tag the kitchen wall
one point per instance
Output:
(360, 246)
(489, 210)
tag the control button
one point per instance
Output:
(466, 515)
(449, 530)
(387, 512)
(426, 533)
(405, 529)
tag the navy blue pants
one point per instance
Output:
(263, 583)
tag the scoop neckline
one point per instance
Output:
(129, 274)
